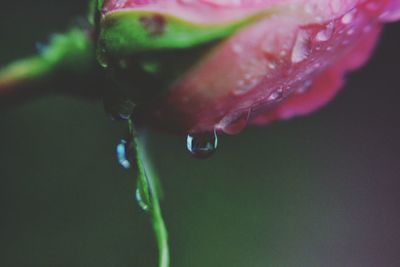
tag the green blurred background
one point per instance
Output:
(317, 191)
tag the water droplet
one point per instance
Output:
(304, 87)
(202, 145)
(246, 84)
(125, 154)
(348, 17)
(276, 95)
(325, 34)
(301, 48)
(141, 200)
(271, 65)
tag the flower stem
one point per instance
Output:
(61, 66)
(149, 193)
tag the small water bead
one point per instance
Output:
(325, 34)
(125, 154)
(301, 48)
(348, 17)
(304, 87)
(246, 84)
(141, 200)
(271, 65)
(202, 145)
(276, 95)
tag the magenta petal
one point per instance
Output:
(288, 63)
(325, 85)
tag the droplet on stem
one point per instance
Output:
(125, 154)
(141, 200)
(202, 145)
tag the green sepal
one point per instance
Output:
(125, 32)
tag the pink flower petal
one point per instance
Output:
(288, 64)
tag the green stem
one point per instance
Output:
(59, 67)
(149, 193)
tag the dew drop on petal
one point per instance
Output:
(325, 34)
(246, 84)
(202, 145)
(276, 95)
(301, 48)
(304, 87)
(348, 17)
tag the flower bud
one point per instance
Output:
(197, 66)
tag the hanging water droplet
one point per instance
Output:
(202, 145)
(141, 200)
(125, 154)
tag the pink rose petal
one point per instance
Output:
(288, 64)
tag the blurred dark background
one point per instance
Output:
(322, 190)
